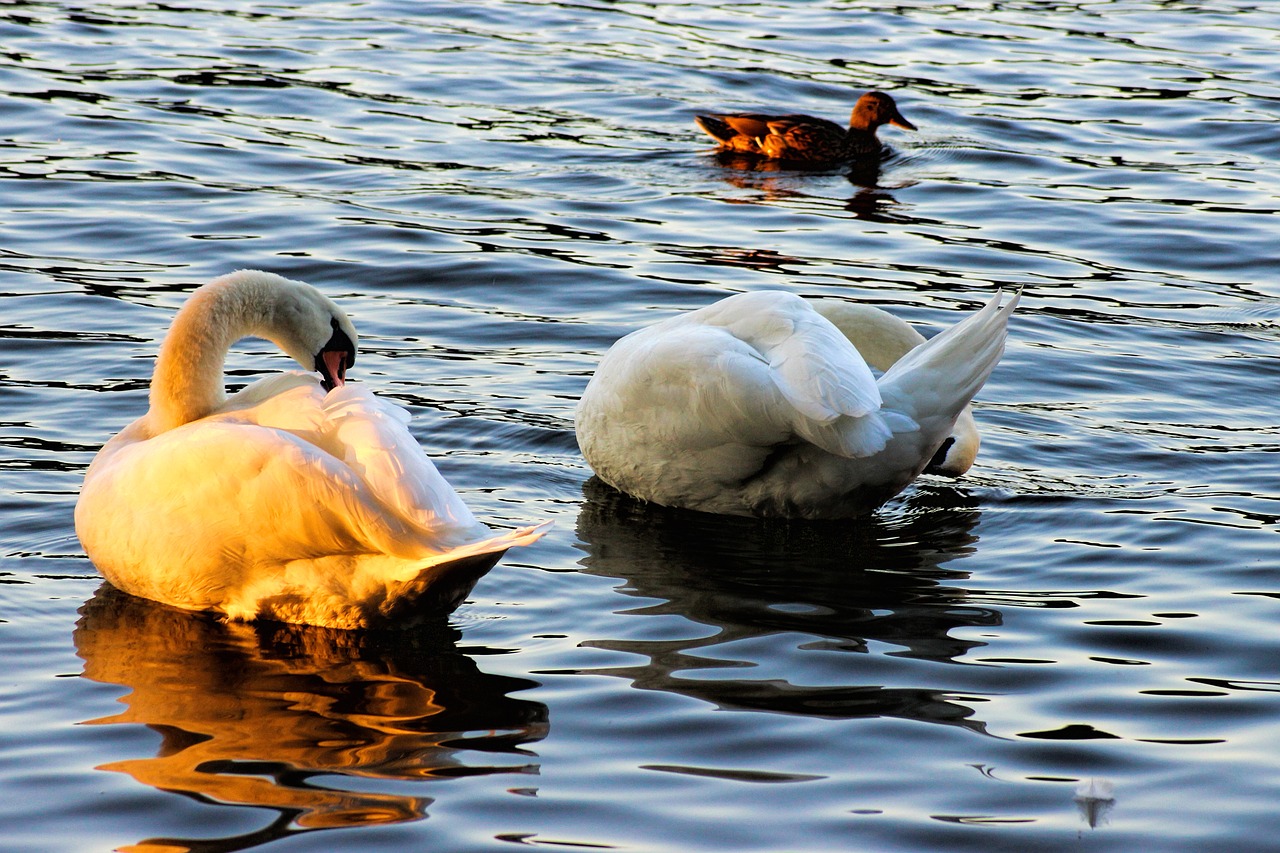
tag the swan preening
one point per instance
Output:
(297, 499)
(765, 404)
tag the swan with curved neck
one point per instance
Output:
(187, 383)
(765, 404)
(300, 498)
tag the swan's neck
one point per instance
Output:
(188, 380)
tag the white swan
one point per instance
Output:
(297, 499)
(760, 405)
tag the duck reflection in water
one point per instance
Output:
(248, 714)
(784, 182)
(843, 584)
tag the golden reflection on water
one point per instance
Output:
(277, 716)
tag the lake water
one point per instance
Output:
(496, 191)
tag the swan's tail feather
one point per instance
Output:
(496, 544)
(937, 379)
(439, 584)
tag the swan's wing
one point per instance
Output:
(371, 435)
(250, 494)
(821, 373)
(814, 367)
(755, 369)
(272, 484)
(678, 388)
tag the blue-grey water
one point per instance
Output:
(496, 191)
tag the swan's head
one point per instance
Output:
(955, 456)
(311, 328)
(293, 315)
(875, 109)
(188, 384)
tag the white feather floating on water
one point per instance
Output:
(1096, 789)
(1095, 797)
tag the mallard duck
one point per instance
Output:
(760, 404)
(803, 138)
(300, 498)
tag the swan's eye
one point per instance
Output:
(339, 340)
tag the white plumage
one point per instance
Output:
(285, 501)
(765, 404)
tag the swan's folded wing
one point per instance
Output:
(821, 373)
(688, 387)
(813, 364)
(695, 387)
(371, 435)
(252, 495)
(831, 390)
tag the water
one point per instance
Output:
(496, 192)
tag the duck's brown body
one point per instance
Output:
(805, 138)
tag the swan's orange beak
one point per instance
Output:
(333, 369)
(335, 357)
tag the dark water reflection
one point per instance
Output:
(280, 716)
(858, 187)
(840, 586)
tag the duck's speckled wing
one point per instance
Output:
(792, 136)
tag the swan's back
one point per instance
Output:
(759, 405)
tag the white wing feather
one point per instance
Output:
(834, 397)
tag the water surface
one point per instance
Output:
(497, 191)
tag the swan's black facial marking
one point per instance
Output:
(335, 358)
(939, 457)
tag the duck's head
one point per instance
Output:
(875, 109)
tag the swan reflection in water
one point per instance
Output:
(252, 714)
(841, 585)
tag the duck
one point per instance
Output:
(766, 404)
(804, 138)
(301, 498)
